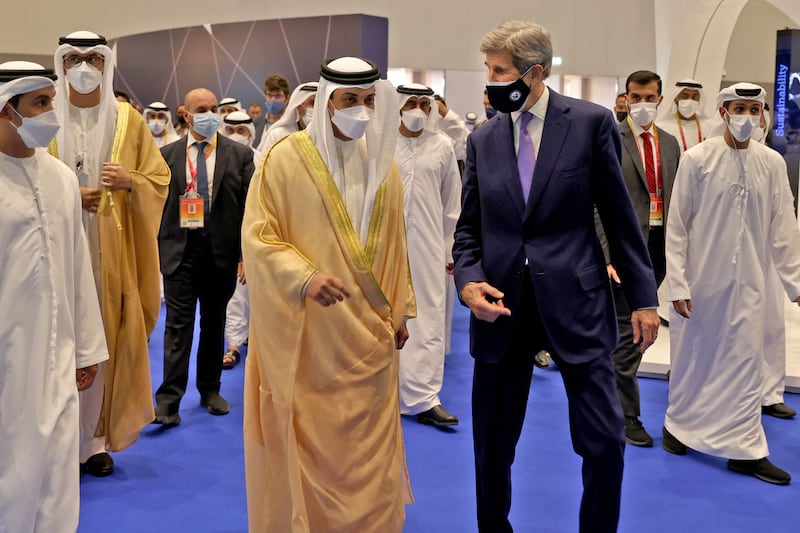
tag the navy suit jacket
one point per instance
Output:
(232, 172)
(577, 168)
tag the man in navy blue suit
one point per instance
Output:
(529, 265)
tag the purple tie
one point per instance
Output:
(526, 159)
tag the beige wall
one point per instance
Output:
(593, 37)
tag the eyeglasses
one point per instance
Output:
(73, 60)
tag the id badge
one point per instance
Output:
(191, 212)
(656, 210)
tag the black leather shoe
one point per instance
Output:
(636, 434)
(167, 416)
(673, 445)
(437, 416)
(763, 469)
(778, 410)
(215, 404)
(99, 465)
(168, 421)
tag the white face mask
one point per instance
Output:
(157, 126)
(643, 113)
(352, 121)
(308, 115)
(743, 126)
(414, 119)
(239, 138)
(38, 131)
(688, 108)
(84, 78)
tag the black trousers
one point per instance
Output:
(626, 355)
(196, 279)
(499, 401)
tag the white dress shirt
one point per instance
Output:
(211, 160)
(536, 124)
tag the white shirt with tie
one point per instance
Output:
(536, 124)
(211, 159)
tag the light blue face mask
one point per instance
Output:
(274, 106)
(206, 124)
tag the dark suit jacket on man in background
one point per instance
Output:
(560, 301)
(627, 356)
(200, 264)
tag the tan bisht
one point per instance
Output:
(128, 225)
(323, 442)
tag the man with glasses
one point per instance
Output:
(123, 184)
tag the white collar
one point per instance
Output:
(191, 139)
(539, 109)
(638, 130)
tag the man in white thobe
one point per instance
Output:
(731, 211)
(431, 191)
(451, 124)
(159, 121)
(684, 115)
(50, 312)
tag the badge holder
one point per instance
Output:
(656, 209)
(192, 207)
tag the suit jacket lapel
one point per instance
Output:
(505, 157)
(666, 153)
(219, 168)
(629, 142)
(556, 124)
(179, 170)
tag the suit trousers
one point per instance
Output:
(626, 355)
(499, 400)
(196, 279)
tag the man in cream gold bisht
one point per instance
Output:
(731, 226)
(49, 311)
(324, 248)
(123, 181)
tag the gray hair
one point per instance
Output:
(527, 42)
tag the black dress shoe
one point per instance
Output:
(763, 469)
(636, 434)
(673, 445)
(168, 421)
(437, 416)
(99, 465)
(778, 410)
(215, 404)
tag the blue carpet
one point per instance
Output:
(191, 478)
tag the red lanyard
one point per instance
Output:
(680, 128)
(659, 183)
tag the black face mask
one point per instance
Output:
(490, 112)
(508, 96)
(621, 115)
